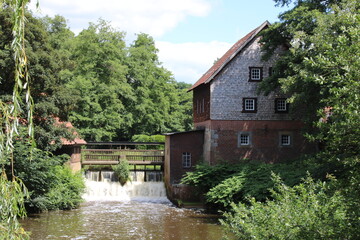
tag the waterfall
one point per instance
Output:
(144, 186)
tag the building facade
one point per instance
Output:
(237, 122)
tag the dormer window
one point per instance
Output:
(255, 74)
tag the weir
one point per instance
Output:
(143, 186)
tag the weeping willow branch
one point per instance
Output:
(12, 193)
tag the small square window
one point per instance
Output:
(285, 140)
(255, 73)
(249, 104)
(244, 139)
(281, 106)
(186, 160)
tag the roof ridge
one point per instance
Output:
(229, 54)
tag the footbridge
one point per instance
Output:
(105, 154)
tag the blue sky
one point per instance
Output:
(227, 21)
(190, 34)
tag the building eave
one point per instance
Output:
(229, 56)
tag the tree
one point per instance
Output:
(161, 104)
(13, 191)
(49, 94)
(320, 70)
(150, 84)
(99, 76)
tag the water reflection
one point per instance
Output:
(124, 220)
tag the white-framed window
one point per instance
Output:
(244, 139)
(255, 73)
(249, 104)
(285, 140)
(186, 160)
(281, 106)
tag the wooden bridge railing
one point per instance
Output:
(113, 156)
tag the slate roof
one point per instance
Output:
(228, 56)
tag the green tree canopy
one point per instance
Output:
(160, 104)
(99, 75)
(321, 69)
(107, 90)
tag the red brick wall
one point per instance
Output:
(265, 140)
(201, 103)
(176, 144)
(191, 142)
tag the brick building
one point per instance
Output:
(71, 147)
(237, 122)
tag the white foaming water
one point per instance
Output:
(102, 186)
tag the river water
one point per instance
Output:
(141, 212)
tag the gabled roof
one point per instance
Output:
(229, 55)
(77, 140)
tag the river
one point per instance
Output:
(139, 215)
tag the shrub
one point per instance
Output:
(223, 184)
(64, 192)
(310, 210)
(45, 177)
(146, 138)
(228, 191)
(205, 176)
(122, 171)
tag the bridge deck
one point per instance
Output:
(113, 156)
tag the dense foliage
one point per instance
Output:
(109, 91)
(12, 190)
(224, 184)
(12, 196)
(310, 210)
(320, 71)
(50, 184)
(122, 171)
(146, 138)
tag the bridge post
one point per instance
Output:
(122, 157)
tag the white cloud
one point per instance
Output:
(189, 61)
(154, 17)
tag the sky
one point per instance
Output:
(190, 34)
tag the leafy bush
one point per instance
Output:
(64, 193)
(205, 176)
(310, 210)
(223, 184)
(227, 191)
(46, 177)
(146, 138)
(122, 171)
